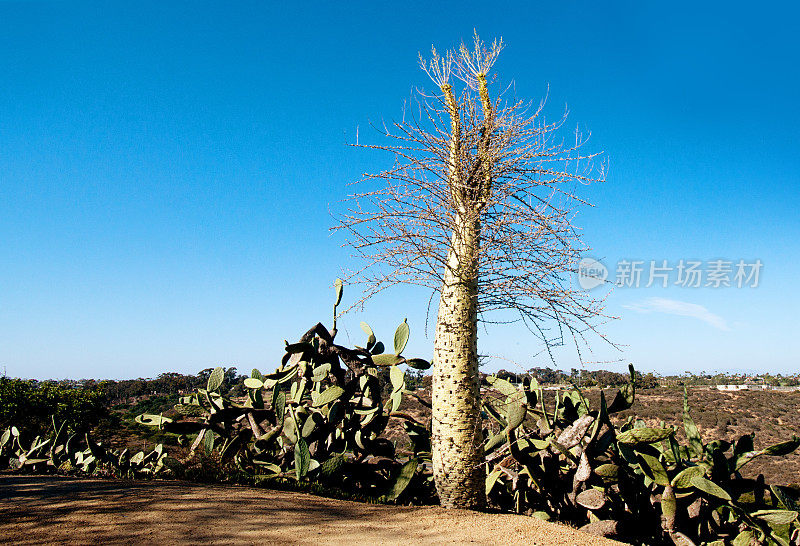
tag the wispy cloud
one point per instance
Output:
(681, 308)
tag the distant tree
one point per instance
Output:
(646, 381)
(508, 376)
(201, 379)
(172, 382)
(548, 376)
(414, 379)
(231, 382)
(607, 378)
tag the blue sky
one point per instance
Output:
(168, 173)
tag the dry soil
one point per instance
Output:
(59, 510)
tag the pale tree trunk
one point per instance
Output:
(458, 459)
(456, 423)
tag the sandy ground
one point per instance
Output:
(58, 510)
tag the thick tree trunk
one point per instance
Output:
(458, 459)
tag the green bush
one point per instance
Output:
(31, 406)
(154, 404)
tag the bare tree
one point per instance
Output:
(478, 207)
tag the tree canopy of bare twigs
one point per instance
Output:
(515, 172)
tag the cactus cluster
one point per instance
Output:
(633, 482)
(319, 417)
(66, 452)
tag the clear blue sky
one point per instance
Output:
(168, 172)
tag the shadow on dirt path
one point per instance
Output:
(47, 510)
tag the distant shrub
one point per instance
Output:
(154, 404)
(30, 405)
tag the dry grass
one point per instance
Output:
(773, 417)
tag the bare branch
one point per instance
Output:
(499, 163)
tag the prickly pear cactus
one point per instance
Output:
(320, 416)
(632, 482)
(64, 452)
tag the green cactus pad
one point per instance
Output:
(669, 508)
(783, 448)
(359, 438)
(787, 497)
(745, 538)
(215, 379)
(370, 334)
(683, 479)
(573, 434)
(280, 406)
(31, 462)
(290, 429)
(282, 376)
(397, 378)
(636, 436)
(401, 337)
(272, 468)
(492, 478)
(332, 465)
(503, 386)
(152, 420)
(418, 363)
(313, 422)
(776, 517)
(334, 392)
(387, 360)
(299, 389)
(253, 383)
(396, 399)
(695, 441)
(302, 458)
(515, 414)
(338, 286)
(593, 499)
(403, 479)
(208, 442)
(608, 471)
(780, 449)
(494, 414)
(538, 444)
(366, 328)
(710, 487)
(653, 468)
(335, 413)
(320, 372)
(495, 441)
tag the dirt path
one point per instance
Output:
(47, 510)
